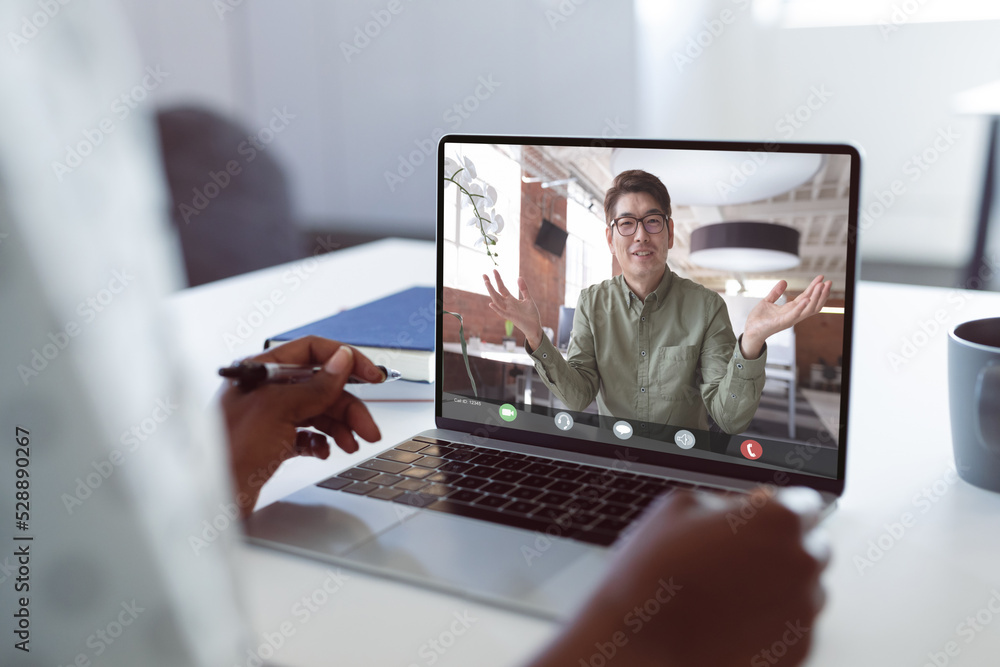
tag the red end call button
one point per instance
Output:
(751, 449)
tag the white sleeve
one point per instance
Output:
(129, 511)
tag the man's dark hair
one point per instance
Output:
(635, 180)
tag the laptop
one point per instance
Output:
(521, 493)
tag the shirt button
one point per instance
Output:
(643, 353)
(642, 389)
(545, 355)
(643, 319)
(733, 395)
(739, 366)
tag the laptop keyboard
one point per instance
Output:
(562, 499)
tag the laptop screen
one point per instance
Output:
(686, 302)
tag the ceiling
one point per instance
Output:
(818, 209)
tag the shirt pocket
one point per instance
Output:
(673, 371)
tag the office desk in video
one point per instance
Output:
(914, 572)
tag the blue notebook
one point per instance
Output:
(396, 331)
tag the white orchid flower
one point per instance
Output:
(498, 221)
(492, 238)
(491, 194)
(469, 167)
(475, 189)
(450, 167)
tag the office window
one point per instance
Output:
(465, 262)
(889, 14)
(588, 260)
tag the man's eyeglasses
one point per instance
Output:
(652, 223)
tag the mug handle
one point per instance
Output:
(987, 401)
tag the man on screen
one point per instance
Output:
(648, 344)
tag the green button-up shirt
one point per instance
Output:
(672, 359)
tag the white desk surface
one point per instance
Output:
(914, 600)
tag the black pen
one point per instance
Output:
(250, 374)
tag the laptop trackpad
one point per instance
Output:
(551, 576)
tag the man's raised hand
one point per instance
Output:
(768, 318)
(521, 311)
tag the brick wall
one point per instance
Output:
(544, 272)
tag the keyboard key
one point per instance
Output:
(443, 477)
(472, 482)
(436, 450)
(610, 524)
(509, 463)
(653, 488)
(623, 497)
(509, 476)
(536, 481)
(525, 493)
(493, 501)
(466, 496)
(361, 488)
(439, 490)
(585, 504)
(432, 441)
(384, 466)
(358, 474)
(411, 485)
(540, 469)
(412, 446)
(483, 471)
(617, 511)
(459, 455)
(478, 511)
(415, 499)
(625, 484)
(429, 462)
(522, 507)
(334, 483)
(565, 487)
(396, 455)
(456, 466)
(385, 480)
(555, 499)
(597, 478)
(385, 493)
(513, 455)
(486, 460)
(499, 488)
(568, 520)
(417, 473)
(568, 474)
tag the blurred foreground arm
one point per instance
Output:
(693, 586)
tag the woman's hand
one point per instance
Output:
(264, 423)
